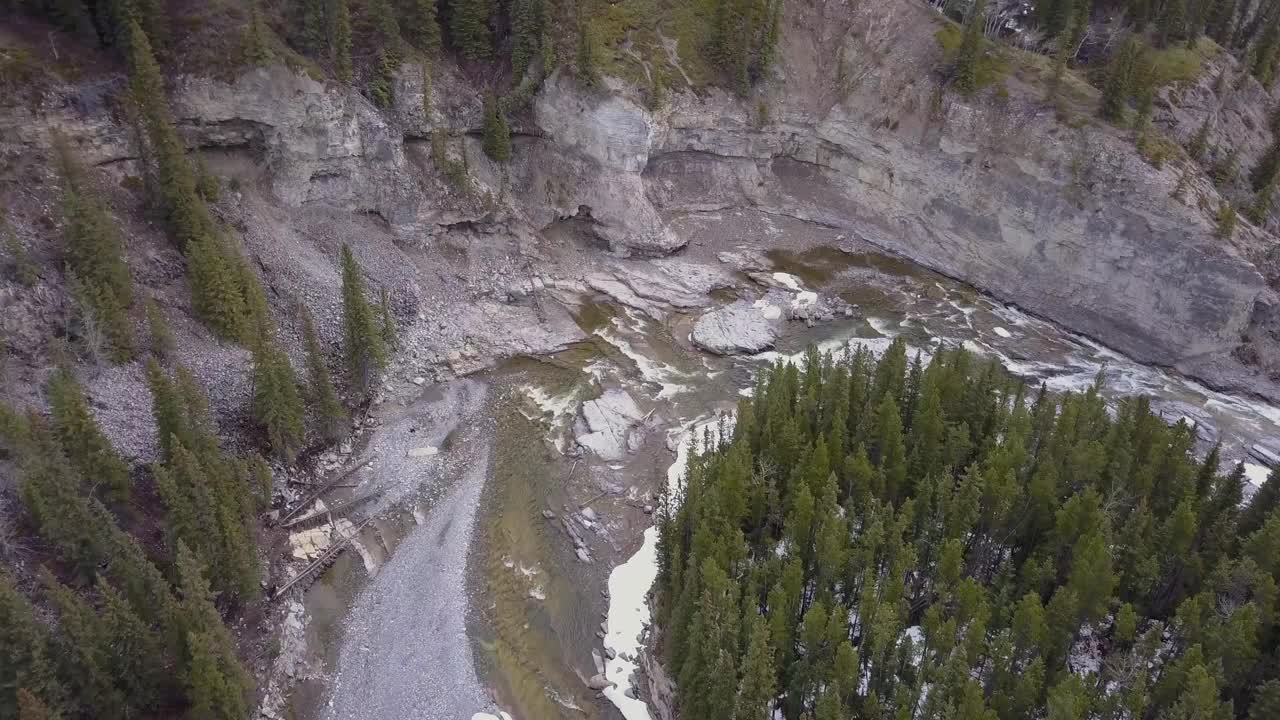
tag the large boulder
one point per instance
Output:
(739, 327)
(606, 422)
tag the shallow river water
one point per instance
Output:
(681, 390)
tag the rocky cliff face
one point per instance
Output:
(850, 133)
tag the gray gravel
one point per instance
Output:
(405, 653)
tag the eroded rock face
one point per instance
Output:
(607, 422)
(1069, 224)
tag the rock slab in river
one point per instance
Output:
(739, 327)
(606, 421)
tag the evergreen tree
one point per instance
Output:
(331, 416)
(217, 686)
(421, 27)
(757, 687)
(1226, 221)
(527, 23)
(214, 287)
(366, 356)
(497, 136)
(340, 45)
(257, 48)
(1260, 209)
(26, 667)
(312, 19)
(382, 84)
(1267, 167)
(964, 75)
(95, 251)
(585, 56)
(162, 343)
(469, 27)
(88, 450)
(1200, 141)
(1224, 170)
(83, 650)
(1265, 500)
(387, 321)
(277, 405)
(1119, 82)
(1266, 703)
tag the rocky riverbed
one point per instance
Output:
(487, 581)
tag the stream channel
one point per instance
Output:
(504, 567)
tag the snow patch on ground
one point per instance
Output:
(789, 281)
(1001, 332)
(629, 584)
(1257, 474)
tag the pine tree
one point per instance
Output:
(340, 45)
(497, 135)
(95, 247)
(217, 686)
(469, 27)
(312, 18)
(366, 356)
(1119, 83)
(387, 321)
(964, 75)
(1224, 171)
(1260, 209)
(527, 23)
(277, 406)
(1200, 141)
(1226, 221)
(1266, 499)
(83, 645)
(88, 450)
(214, 287)
(383, 82)
(756, 689)
(25, 663)
(162, 343)
(1266, 703)
(331, 416)
(585, 57)
(421, 27)
(257, 48)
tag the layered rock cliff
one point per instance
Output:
(851, 132)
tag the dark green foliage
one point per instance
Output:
(1226, 220)
(383, 82)
(330, 416)
(87, 449)
(95, 253)
(744, 39)
(1260, 209)
(528, 20)
(420, 26)
(585, 57)
(1200, 141)
(1267, 167)
(1226, 168)
(277, 405)
(209, 496)
(217, 686)
(257, 47)
(340, 44)
(971, 542)
(216, 287)
(160, 335)
(1261, 505)
(469, 27)
(1120, 80)
(312, 25)
(964, 76)
(25, 661)
(497, 135)
(362, 339)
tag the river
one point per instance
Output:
(562, 538)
